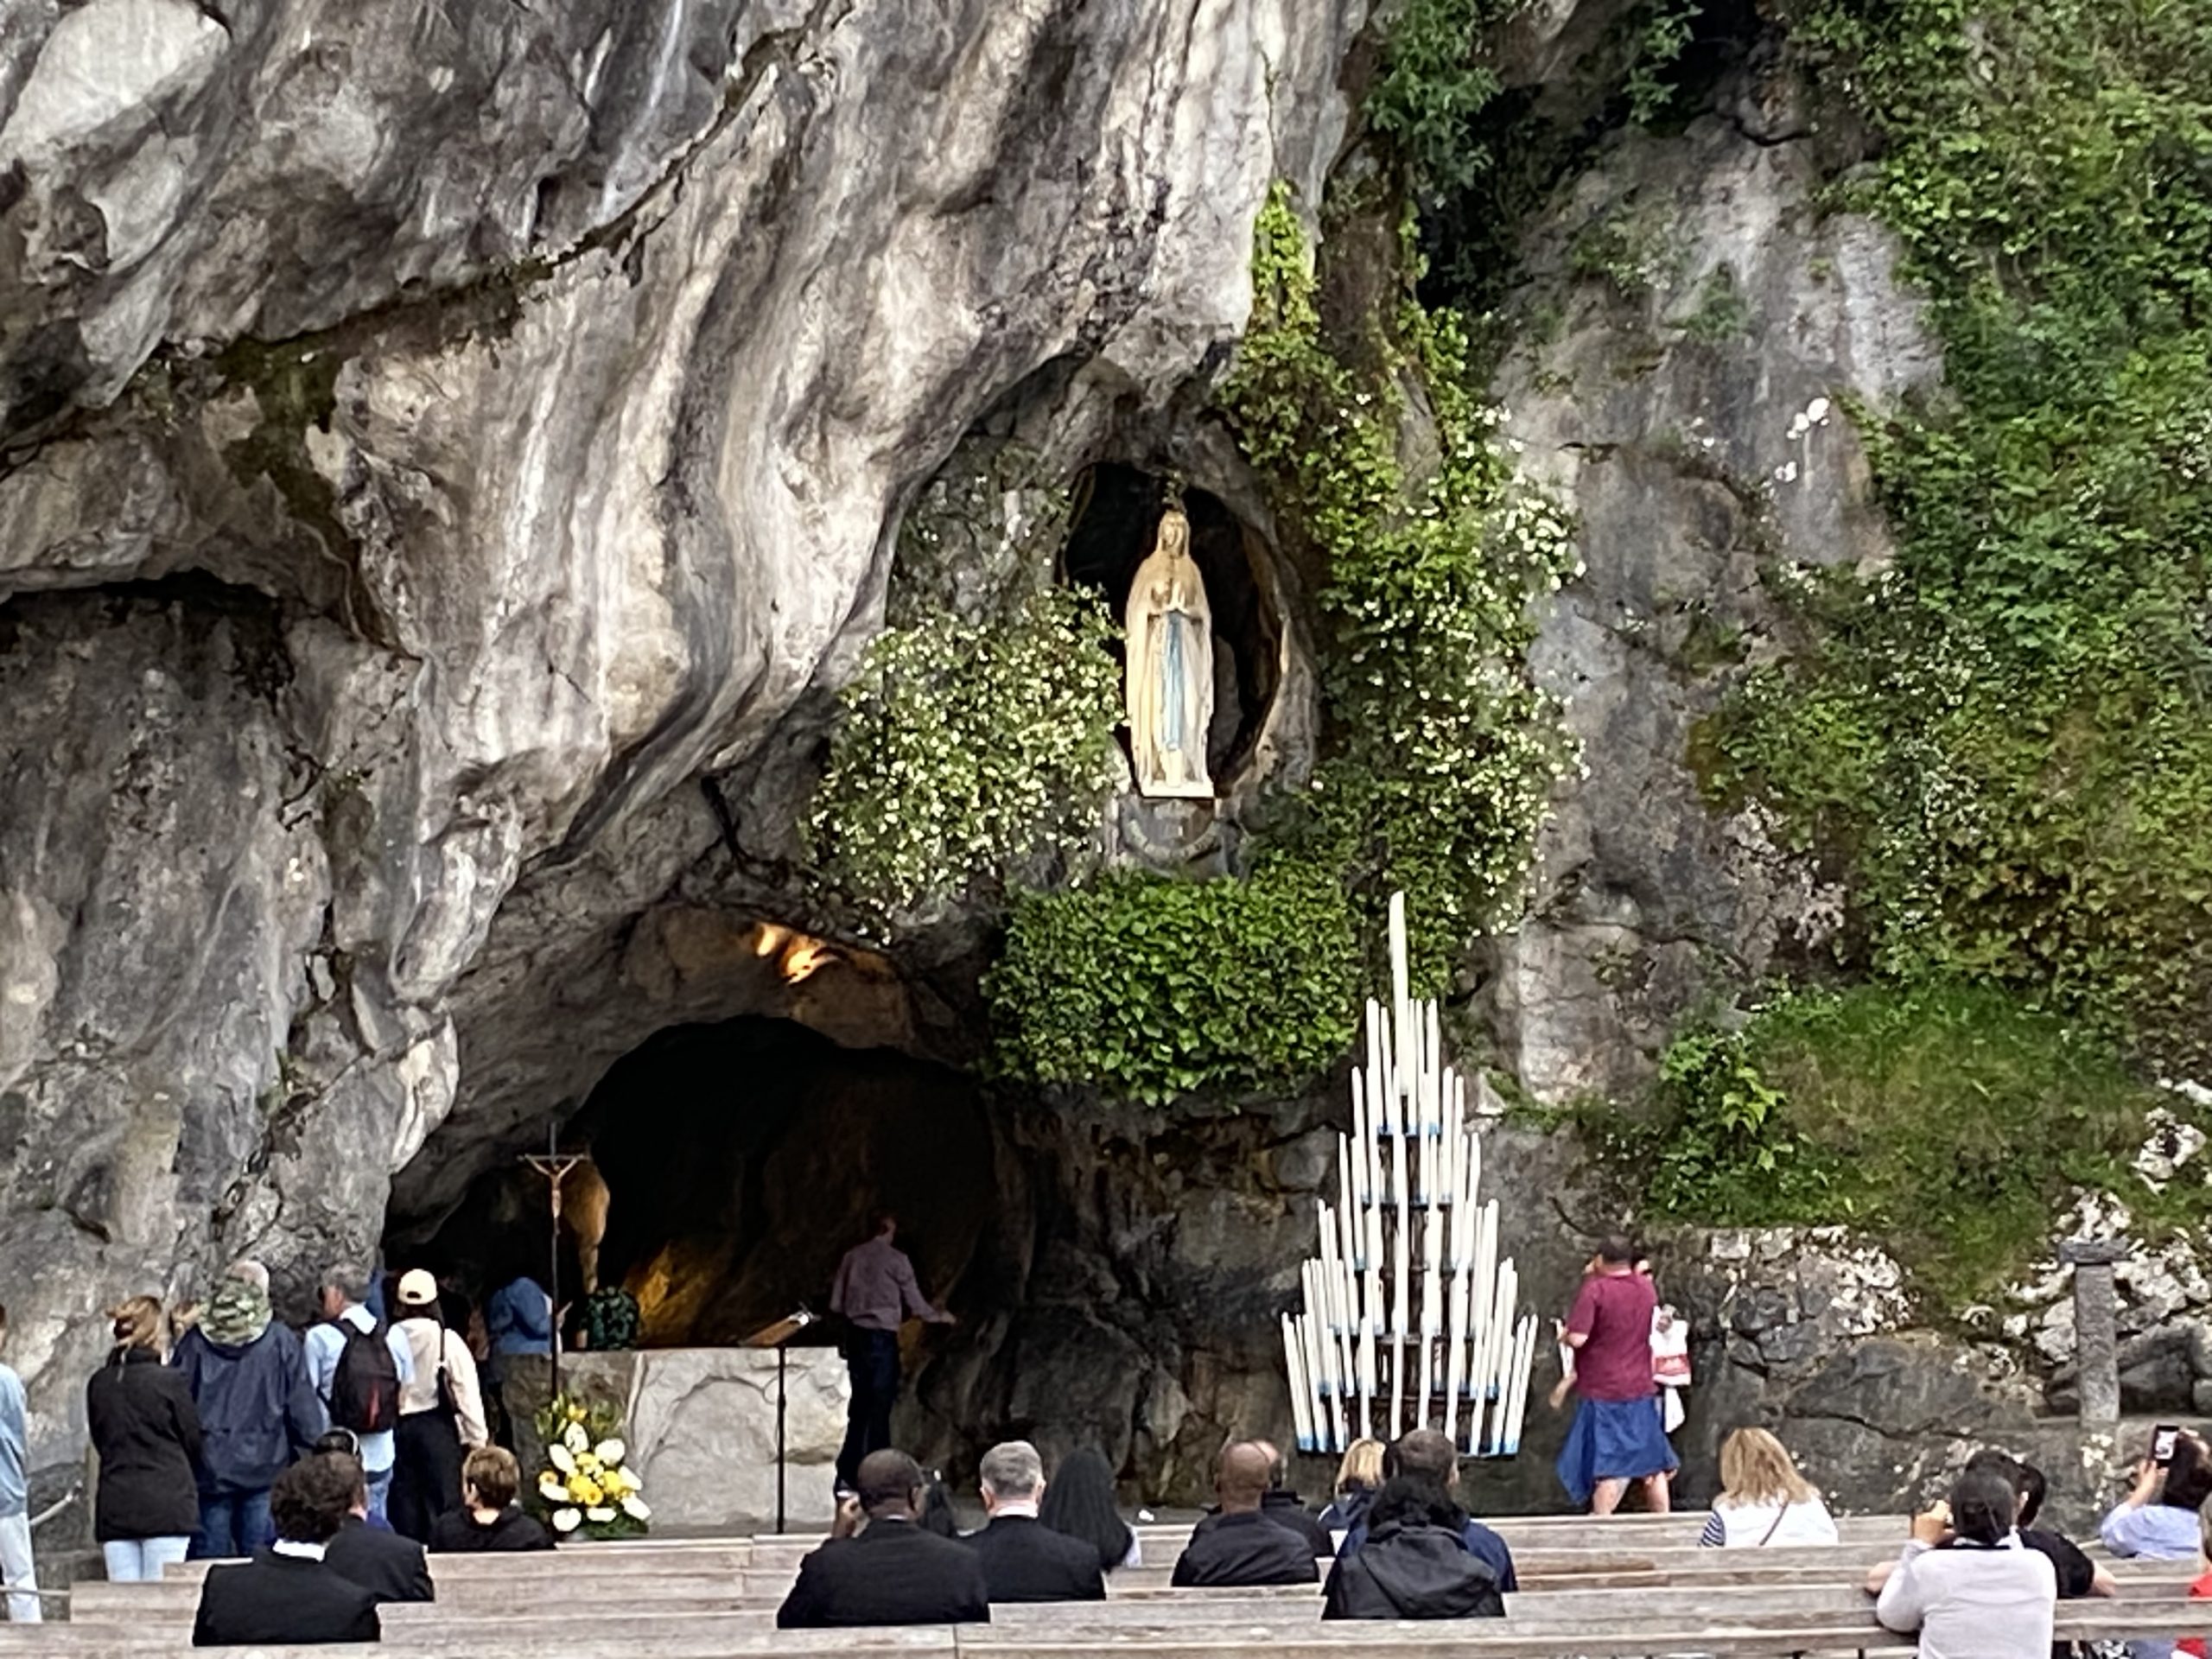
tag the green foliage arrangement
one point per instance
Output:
(2006, 739)
(1440, 751)
(1951, 1121)
(966, 746)
(1152, 990)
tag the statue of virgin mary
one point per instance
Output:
(1169, 681)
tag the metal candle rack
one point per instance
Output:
(1409, 1235)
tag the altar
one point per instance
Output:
(701, 1427)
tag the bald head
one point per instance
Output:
(1241, 1480)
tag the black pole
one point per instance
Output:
(553, 1208)
(779, 1438)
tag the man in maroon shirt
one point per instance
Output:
(876, 1292)
(1617, 1435)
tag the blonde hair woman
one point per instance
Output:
(147, 1432)
(1358, 1478)
(1763, 1500)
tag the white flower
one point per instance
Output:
(561, 1458)
(566, 1520)
(610, 1453)
(551, 1488)
(634, 1507)
(598, 1514)
(576, 1439)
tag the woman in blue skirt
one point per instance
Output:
(1617, 1435)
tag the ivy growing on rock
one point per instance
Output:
(1439, 751)
(2006, 739)
(978, 734)
(1951, 1121)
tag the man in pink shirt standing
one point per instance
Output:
(877, 1292)
(1617, 1435)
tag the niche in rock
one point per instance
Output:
(1117, 516)
(741, 1159)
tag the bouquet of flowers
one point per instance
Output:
(586, 1487)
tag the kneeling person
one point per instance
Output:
(287, 1595)
(891, 1572)
(1023, 1559)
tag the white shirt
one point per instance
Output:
(1970, 1603)
(420, 1393)
(1739, 1525)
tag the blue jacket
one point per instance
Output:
(518, 1318)
(258, 1409)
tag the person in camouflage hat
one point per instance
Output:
(258, 1410)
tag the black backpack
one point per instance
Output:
(364, 1387)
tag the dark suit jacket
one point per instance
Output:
(1245, 1550)
(390, 1567)
(1024, 1559)
(278, 1601)
(893, 1573)
(1284, 1510)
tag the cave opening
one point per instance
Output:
(1117, 516)
(741, 1158)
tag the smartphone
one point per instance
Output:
(2162, 1443)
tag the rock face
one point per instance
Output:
(1692, 326)
(433, 441)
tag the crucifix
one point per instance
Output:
(554, 1165)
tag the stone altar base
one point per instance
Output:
(701, 1426)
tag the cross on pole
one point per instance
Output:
(555, 1165)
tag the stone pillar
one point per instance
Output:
(2096, 1334)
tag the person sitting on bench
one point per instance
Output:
(1240, 1545)
(1412, 1562)
(891, 1572)
(287, 1595)
(1964, 1582)
(1023, 1559)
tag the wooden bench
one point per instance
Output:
(645, 1637)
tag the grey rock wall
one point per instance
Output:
(431, 440)
(1690, 330)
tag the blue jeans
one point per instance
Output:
(379, 1486)
(232, 1524)
(871, 1361)
(140, 1560)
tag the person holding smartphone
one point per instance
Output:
(2160, 1518)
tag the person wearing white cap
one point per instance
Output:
(441, 1411)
